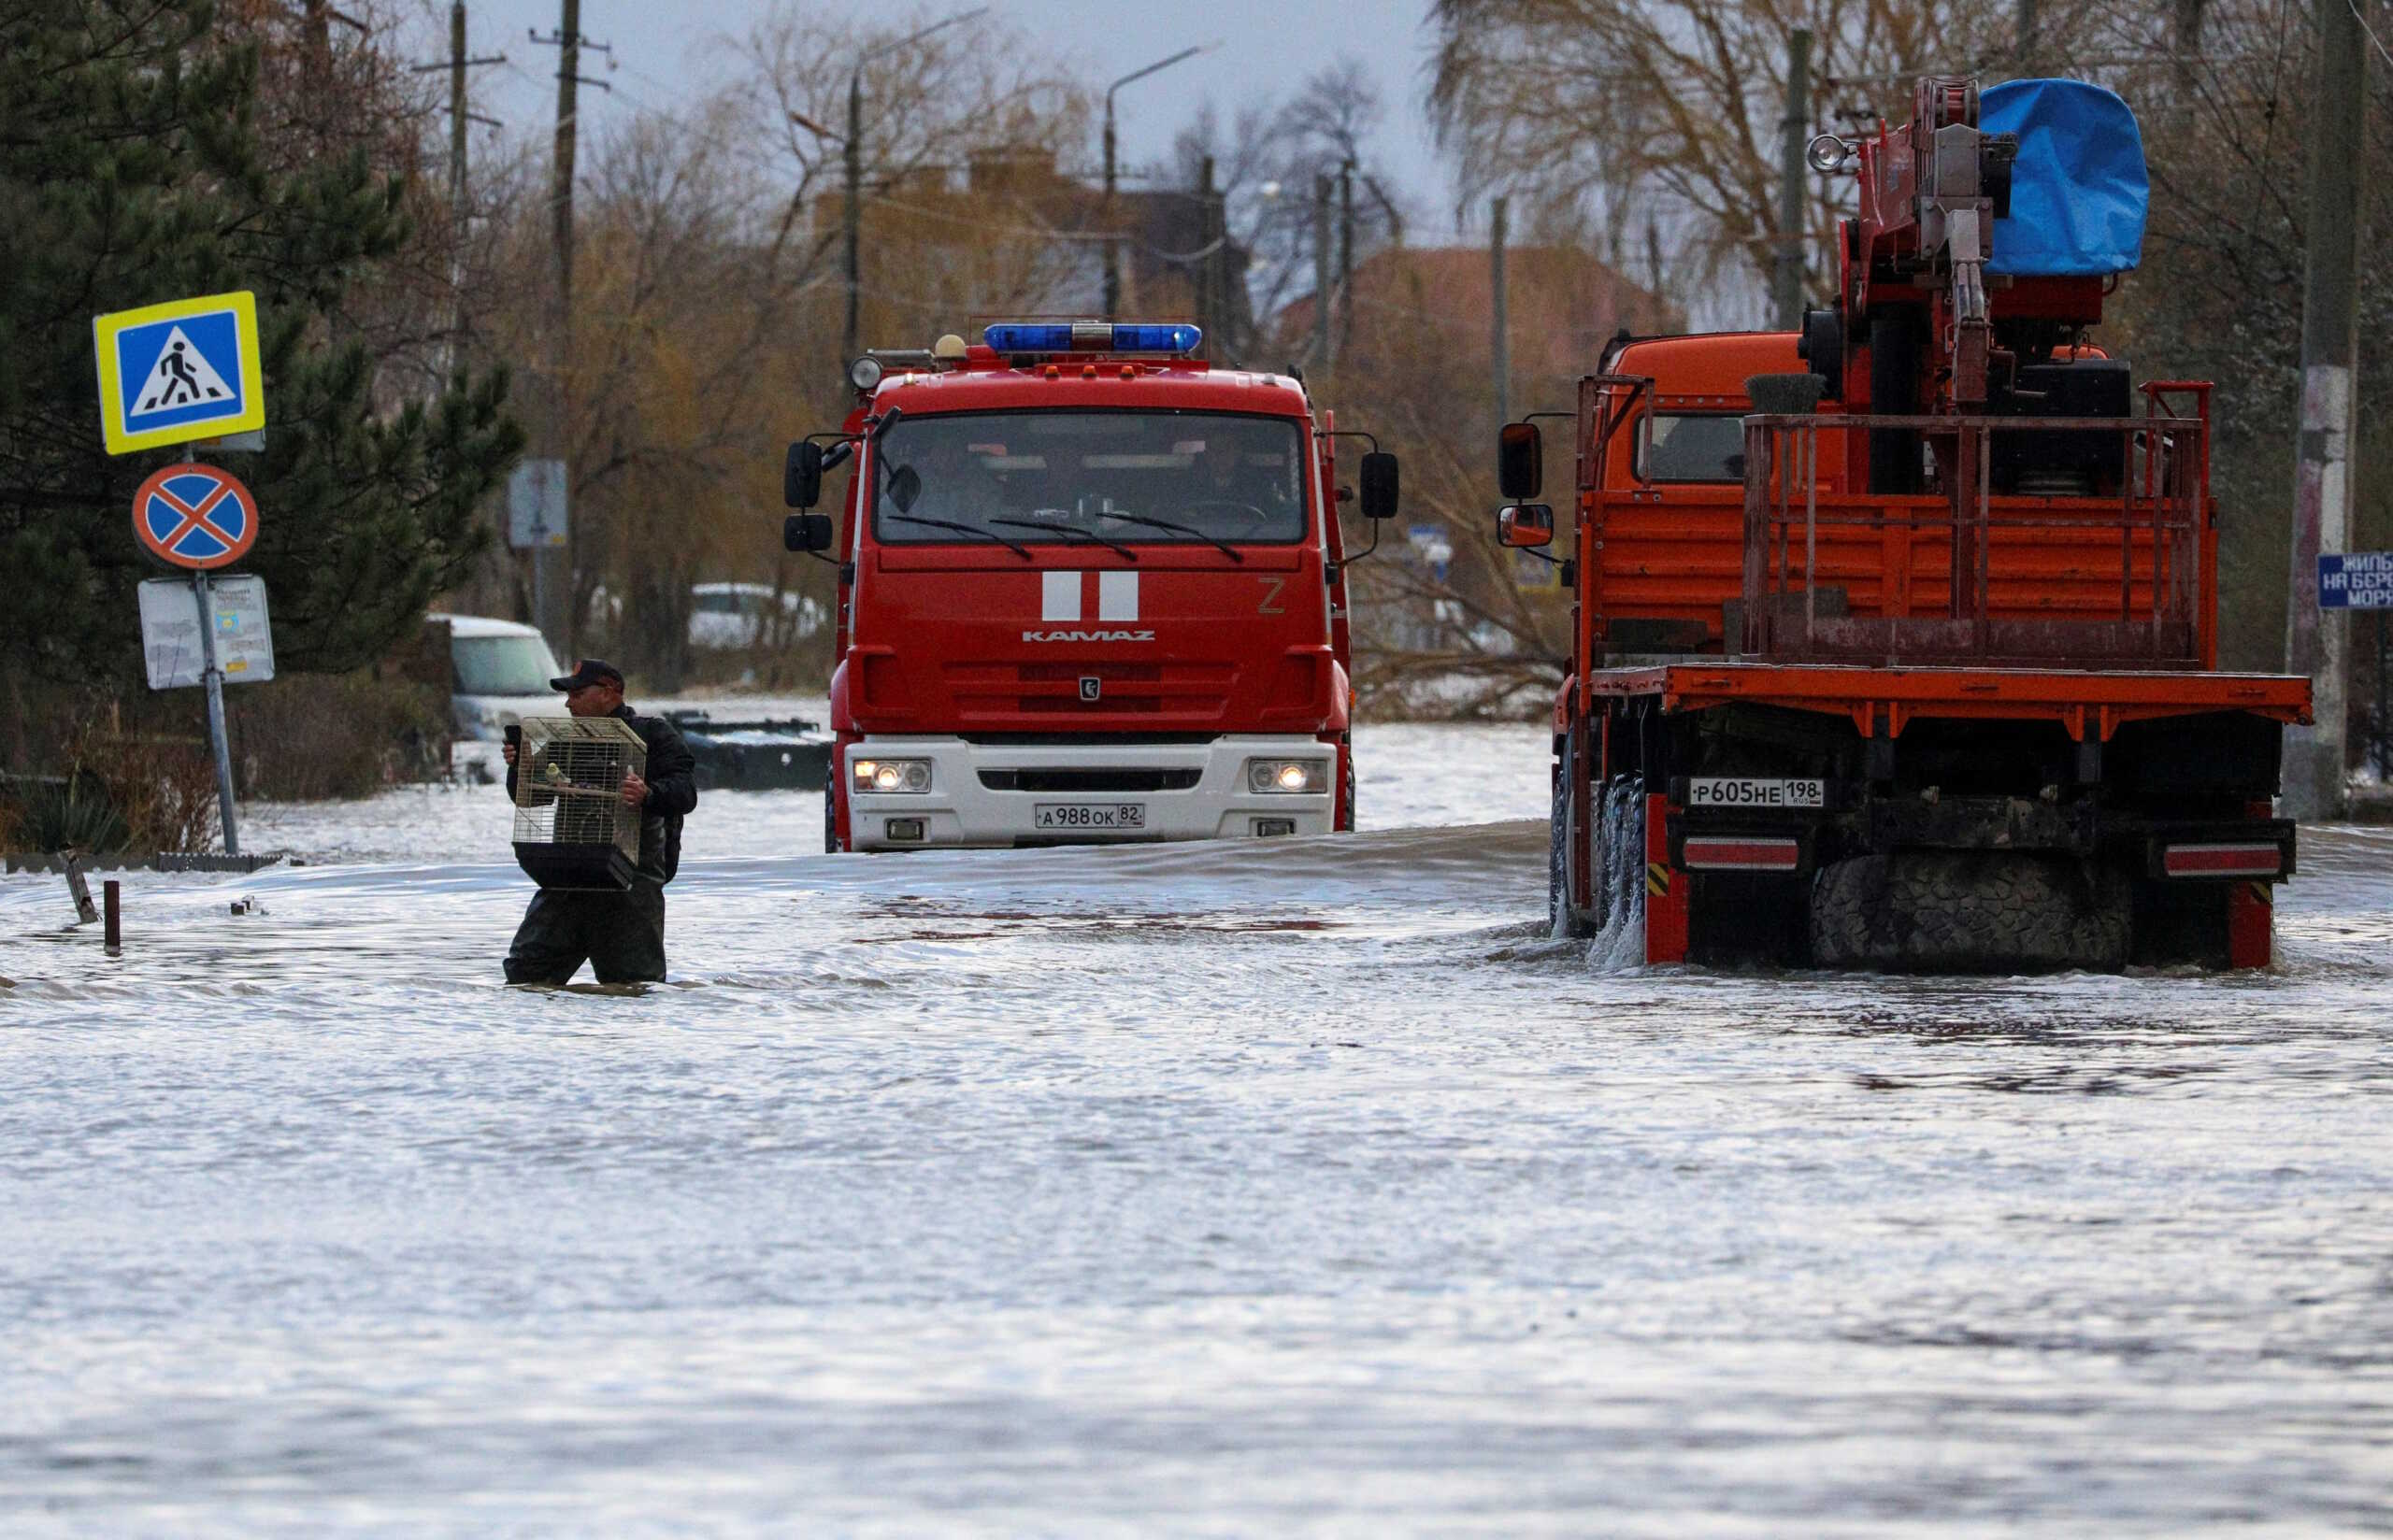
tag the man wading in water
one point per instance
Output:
(622, 934)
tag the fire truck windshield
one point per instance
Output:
(1148, 478)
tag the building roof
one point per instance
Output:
(1562, 303)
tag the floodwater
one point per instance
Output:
(1299, 1188)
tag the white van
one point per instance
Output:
(502, 671)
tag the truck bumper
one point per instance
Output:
(990, 795)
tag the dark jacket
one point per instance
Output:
(672, 793)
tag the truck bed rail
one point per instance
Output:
(1976, 577)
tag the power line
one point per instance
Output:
(2363, 20)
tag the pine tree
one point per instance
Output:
(132, 172)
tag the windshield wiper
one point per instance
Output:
(1072, 531)
(1019, 549)
(1223, 546)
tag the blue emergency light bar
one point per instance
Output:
(1091, 336)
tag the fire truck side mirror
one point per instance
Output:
(1379, 494)
(803, 532)
(1524, 524)
(1520, 460)
(802, 476)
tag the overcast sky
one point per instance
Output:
(664, 56)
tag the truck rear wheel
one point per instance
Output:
(1620, 852)
(1561, 922)
(1969, 911)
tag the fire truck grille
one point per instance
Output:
(1172, 692)
(1125, 779)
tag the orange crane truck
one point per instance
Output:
(1897, 637)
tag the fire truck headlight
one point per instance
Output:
(866, 373)
(1287, 777)
(885, 776)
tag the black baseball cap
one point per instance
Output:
(587, 672)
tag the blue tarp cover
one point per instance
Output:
(2078, 190)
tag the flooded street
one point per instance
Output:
(1300, 1187)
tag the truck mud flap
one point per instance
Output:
(1970, 911)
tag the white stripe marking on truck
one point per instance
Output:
(1059, 595)
(1117, 595)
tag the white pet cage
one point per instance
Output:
(571, 827)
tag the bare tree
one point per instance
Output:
(1625, 116)
(1267, 158)
(708, 301)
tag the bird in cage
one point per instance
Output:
(573, 829)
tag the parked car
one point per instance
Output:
(502, 671)
(729, 615)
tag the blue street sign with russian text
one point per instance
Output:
(2357, 579)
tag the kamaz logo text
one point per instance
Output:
(1088, 636)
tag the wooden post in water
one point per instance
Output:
(72, 861)
(112, 933)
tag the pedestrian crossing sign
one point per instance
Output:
(176, 372)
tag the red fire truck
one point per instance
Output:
(1092, 590)
(1897, 638)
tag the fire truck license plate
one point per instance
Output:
(1098, 815)
(1743, 792)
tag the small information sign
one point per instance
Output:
(536, 509)
(2357, 579)
(170, 639)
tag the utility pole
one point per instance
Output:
(459, 114)
(852, 218)
(1791, 219)
(1217, 266)
(1113, 236)
(2186, 42)
(316, 33)
(553, 565)
(1324, 357)
(2322, 489)
(2024, 33)
(547, 579)
(1207, 321)
(1345, 256)
(1495, 289)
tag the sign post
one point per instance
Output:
(536, 521)
(215, 677)
(169, 374)
(199, 517)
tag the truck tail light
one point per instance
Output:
(2243, 860)
(1738, 854)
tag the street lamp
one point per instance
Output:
(1113, 242)
(854, 148)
